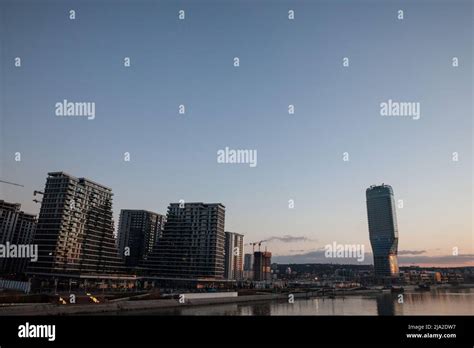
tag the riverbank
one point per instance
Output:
(124, 306)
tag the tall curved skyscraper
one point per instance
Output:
(383, 230)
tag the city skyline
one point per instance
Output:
(300, 156)
(317, 256)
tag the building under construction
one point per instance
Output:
(262, 261)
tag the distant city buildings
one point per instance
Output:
(193, 241)
(262, 261)
(75, 228)
(16, 227)
(138, 233)
(233, 251)
(383, 230)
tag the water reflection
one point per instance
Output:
(437, 302)
(386, 304)
(262, 309)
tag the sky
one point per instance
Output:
(282, 62)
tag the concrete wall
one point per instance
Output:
(206, 295)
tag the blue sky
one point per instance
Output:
(282, 62)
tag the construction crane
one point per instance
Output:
(11, 183)
(259, 243)
(36, 192)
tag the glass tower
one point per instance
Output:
(383, 230)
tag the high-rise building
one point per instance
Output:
(234, 247)
(248, 262)
(75, 228)
(262, 261)
(138, 231)
(192, 245)
(383, 230)
(18, 228)
(248, 266)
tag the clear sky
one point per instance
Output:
(282, 62)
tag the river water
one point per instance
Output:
(434, 302)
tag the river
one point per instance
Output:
(435, 302)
